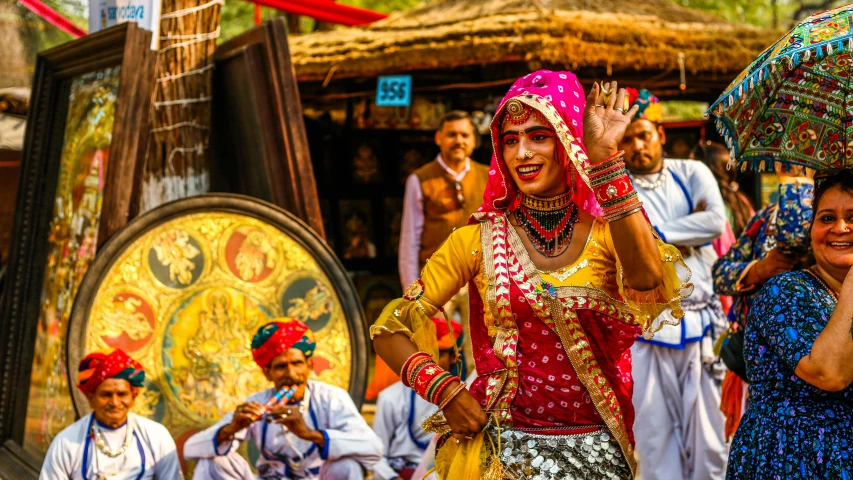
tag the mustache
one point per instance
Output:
(638, 155)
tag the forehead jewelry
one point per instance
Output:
(528, 154)
(517, 112)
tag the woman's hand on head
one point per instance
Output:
(604, 125)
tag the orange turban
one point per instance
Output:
(446, 338)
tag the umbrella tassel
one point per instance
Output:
(829, 49)
(807, 55)
(850, 44)
(761, 166)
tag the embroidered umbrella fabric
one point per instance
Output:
(794, 103)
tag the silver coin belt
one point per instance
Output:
(581, 456)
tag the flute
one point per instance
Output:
(283, 394)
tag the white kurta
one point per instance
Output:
(73, 455)
(397, 422)
(679, 428)
(349, 441)
(670, 209)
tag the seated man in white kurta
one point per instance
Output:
(111, 442)
(318, 434)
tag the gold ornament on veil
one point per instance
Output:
(517, 112)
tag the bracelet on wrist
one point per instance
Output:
(452, 395)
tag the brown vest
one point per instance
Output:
(442, 212)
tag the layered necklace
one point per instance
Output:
(548, 222)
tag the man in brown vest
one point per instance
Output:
(441, 196)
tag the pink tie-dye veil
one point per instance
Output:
(559, 97)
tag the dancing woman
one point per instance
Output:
(564, 272)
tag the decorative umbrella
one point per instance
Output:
(794, 103)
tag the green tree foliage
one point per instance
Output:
(764, 13)
(37, 34)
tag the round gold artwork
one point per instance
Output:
(184, 291)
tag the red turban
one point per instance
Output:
(98, 366)
(279, 336)
(446, 341)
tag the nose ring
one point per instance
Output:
(528, 154)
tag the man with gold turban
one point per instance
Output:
(111, 442)
(317, 433)
(400, 412)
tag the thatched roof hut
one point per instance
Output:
(637, 40)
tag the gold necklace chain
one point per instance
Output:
(813, 271)
(547, 204)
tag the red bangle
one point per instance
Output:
(412, 361)
(435, 395)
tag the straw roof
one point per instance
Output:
(615, 35)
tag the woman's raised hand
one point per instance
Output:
(605, 120)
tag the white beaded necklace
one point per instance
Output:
(646, 185)
(102, 445)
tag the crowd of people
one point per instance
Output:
(582, 308)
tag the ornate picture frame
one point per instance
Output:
(182, 289)
(79, 182)
(258, 142)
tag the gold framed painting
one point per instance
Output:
(183, 288)
(79, 179)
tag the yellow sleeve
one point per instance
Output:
(445, 273)
(654, 308)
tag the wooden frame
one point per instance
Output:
(257, 138)
(126, 46)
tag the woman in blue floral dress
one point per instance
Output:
(799, 356)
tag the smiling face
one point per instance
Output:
(537, 172)
(112, 401)
(456, 140)
(832, 232)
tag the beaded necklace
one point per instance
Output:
(647, 185)
(548, 222)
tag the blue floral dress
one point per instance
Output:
(791, 430)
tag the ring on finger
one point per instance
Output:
(598, 105)
(620, 110)
(289, 411)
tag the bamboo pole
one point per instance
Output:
(176, 163)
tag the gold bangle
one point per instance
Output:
(623, 215)
(452, 395)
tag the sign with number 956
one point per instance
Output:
(394, 91)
